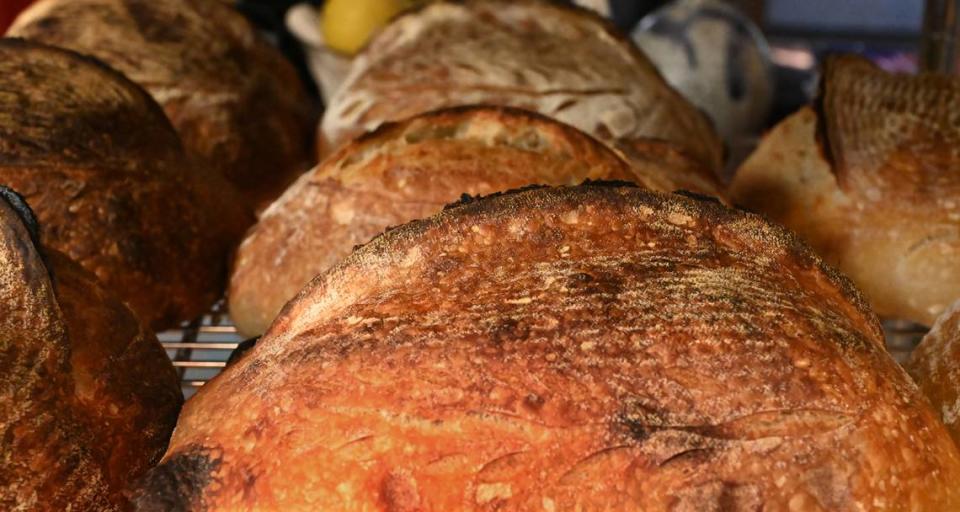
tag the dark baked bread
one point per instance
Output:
(108, 178)
(935, 365)
(870, 177)
(562, 62)
(88, 397)
(234, 99)
(401, 172)
(585, 348)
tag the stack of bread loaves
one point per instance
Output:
(538, 323)
(418, 85)
(584, 348)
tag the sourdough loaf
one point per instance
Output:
(234, 99)
(935, 366)
(88, 397)
(111, 184)
(562, 62)
(581, 348)
(407, 171)
(870, 177)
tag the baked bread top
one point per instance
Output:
(870, 176)
(594, 346)
(935, 366)
(235, 101)
(401, 172)
(100, 164)
(562, 62)
(88, 397)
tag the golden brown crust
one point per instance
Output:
(935, 366)
(400, 172)
(107, 176)
(234, 100)
(88, 398)
(605, 348)
(880, 198)
(565, 63)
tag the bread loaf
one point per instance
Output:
(583, 348)
(562, 62)
(235, 100)
(409, 170)
(88, 397)
(110, 182)
(935, 366)
(870, 176)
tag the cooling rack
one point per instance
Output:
(200, 349)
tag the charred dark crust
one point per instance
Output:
(179, 483)
(23, 210)
(242, 349)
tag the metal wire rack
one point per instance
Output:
(200, 349)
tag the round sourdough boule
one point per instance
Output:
(563, 62)
(88, 397)
(581, 348)
(405, 171)
(108, 178)
(870, 177)
(935, 366)
(234, 99)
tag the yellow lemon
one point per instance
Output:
(348, 24)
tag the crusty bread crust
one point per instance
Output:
(88, 397)
(236, 102)
(935, 366)
(565, 63)
(107, 175)
(581, 348)
(871, 178)
(400, 172)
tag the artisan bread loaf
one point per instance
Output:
(562, 62)
(407, 171)
(88, 397)
(870, 177)
(236, 102)
(111, 184)
(935, 365)
(581, 348)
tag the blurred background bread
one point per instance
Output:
(109, 180)
(583, 348)
(401, 172)
(236, 102)
(562, 62)
(870, 177)
(935, 366)
(88, 398)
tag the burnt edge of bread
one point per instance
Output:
(541, 198)
(179, 483)
(20, 44)
(242, 348)
(23, 210)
